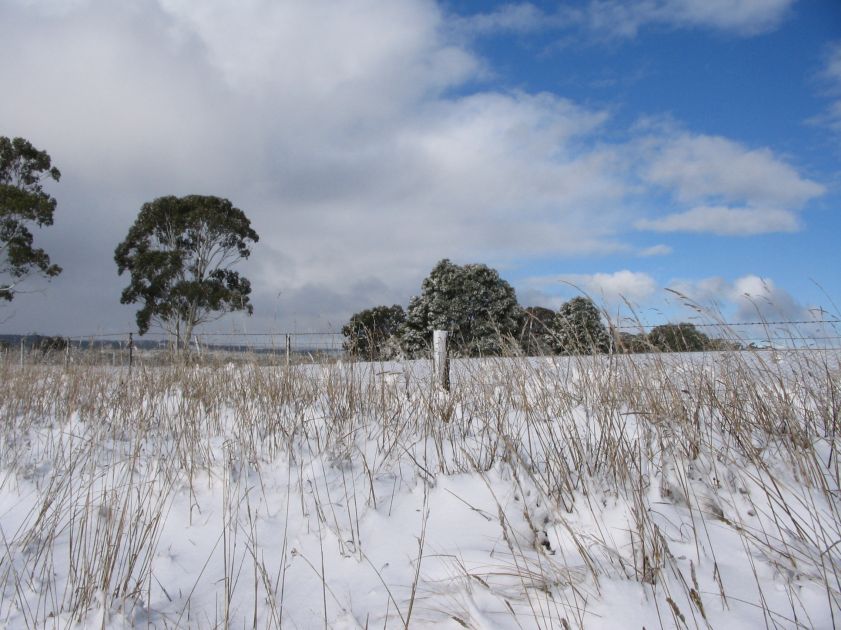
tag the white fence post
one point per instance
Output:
(440, 360)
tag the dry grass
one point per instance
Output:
(646, 470)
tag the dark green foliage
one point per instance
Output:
(579, 328)
(629, 343)
(537, 335)
(23, 203)
(682, 337)
(373, 334)
(476, 306)
(51, 344)
(179, 253)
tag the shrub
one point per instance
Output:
(373, 334)
(682, 337)
(476, 306)
(579, 328)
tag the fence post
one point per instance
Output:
(440, 360)
(288, 350)
(21, 351)
(130, 350)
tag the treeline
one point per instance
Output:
(180, 251)
(481, 313)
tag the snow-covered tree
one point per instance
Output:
(537, 333)
(579, 328)
(682, 337)
(476, 306)
(373, 334)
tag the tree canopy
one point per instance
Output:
(681, 337)
(23, 204)
(472, 302)
(373, 334)
(579, 328)
(179, 254)
(537, 333)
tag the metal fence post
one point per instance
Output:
(440, 360)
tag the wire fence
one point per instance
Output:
(158, 348)
(123, 348)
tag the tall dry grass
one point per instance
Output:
(645, 470)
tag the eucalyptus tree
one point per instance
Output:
(179, 254)
(23, 204)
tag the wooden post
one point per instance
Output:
(288, 350)
(440, 360)
(21, 351)
(130, 350)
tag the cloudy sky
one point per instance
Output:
(623, 147)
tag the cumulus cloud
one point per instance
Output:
(701, 167)
(352, 134)
(330, 124)
(609, 288)
(742, 17)
(749, 298)
(732, 190)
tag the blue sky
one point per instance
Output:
(621, 147)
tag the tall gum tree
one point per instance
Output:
(179, 253)
(23, 204)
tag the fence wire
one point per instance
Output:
(119, 348)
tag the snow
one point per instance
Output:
(696, 491)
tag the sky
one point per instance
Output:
(626, 149)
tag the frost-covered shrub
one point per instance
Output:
(372, 334)
(537, 334)
(476, 306)
(579, 328)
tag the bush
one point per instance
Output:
(537, 333)
(50, 344)
(629, 343)
(579, 328)
(476, 306)
(373, 334)
(682, 337)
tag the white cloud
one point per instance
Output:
(832, 75)
(655, 250)
(335, 127)
(625, 18)
(702, 167)
(732, 190)
(518, 18)
(724, 221)
(742, 17)
(327, 123)
(610, 288)
(749, 298)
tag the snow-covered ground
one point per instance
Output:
(647, 491)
